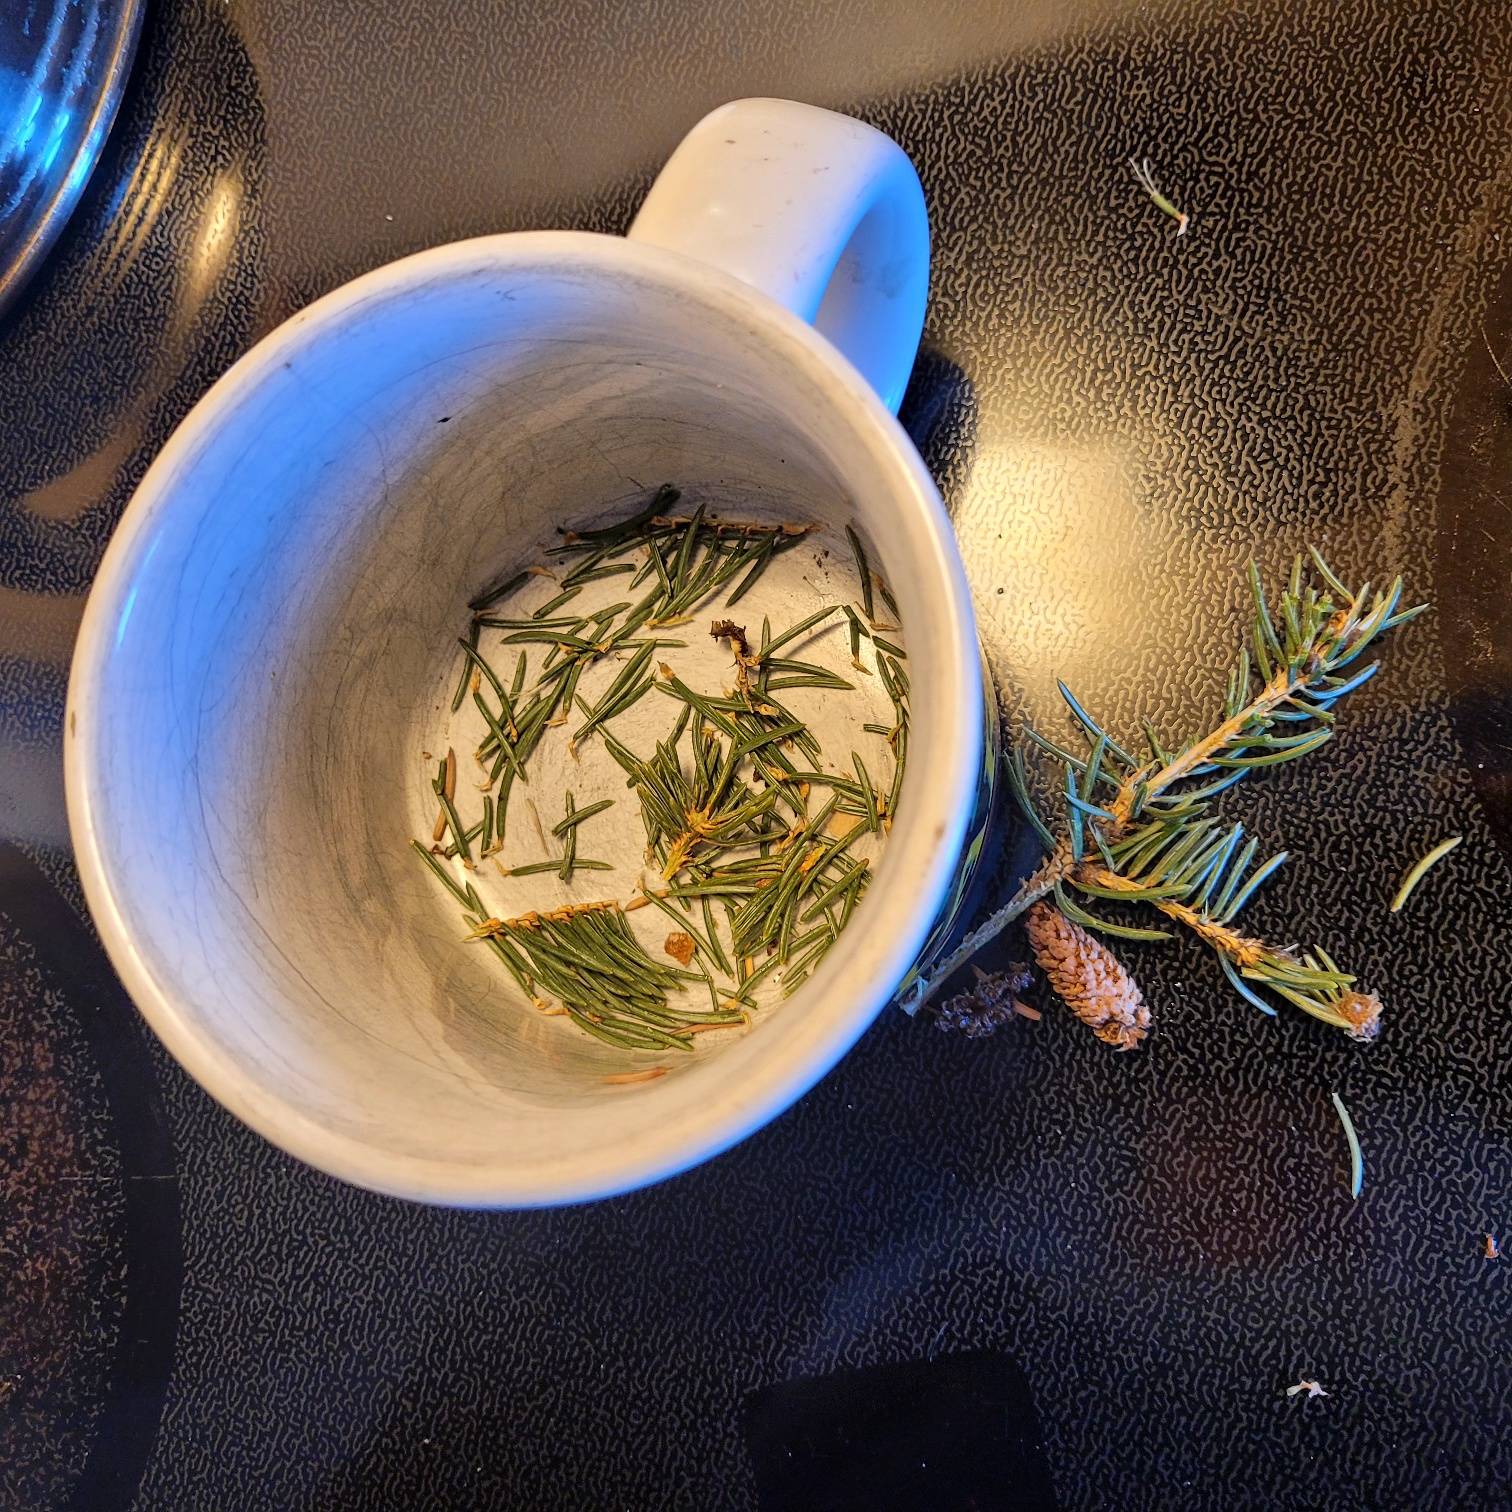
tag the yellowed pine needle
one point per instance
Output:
(1415, 876)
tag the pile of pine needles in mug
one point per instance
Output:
(644, 740)
(1144, 829)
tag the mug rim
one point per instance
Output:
(829, 1028)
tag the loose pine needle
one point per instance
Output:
(1356, 1159)
(1146, 176)
(863, 570)
(1415, 876)
(1495, 360)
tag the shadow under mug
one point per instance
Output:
(251, 687)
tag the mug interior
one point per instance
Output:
(272, 645)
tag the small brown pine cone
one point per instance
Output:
(1088, 978)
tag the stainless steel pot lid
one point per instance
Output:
(62, 65)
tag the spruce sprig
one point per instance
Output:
(1138, 828)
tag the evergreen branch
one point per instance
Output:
(1146, 837)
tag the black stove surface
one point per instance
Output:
(1019, 1272)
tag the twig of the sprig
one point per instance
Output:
(1203, 890)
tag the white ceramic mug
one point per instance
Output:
(242, 725)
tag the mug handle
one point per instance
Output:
(820, 211)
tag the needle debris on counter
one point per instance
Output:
(1356, 1159)
(1146, 176)
(991, 1003)
(1414, 876)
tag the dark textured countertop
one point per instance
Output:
(958, 1274)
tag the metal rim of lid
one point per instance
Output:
(99, 94)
